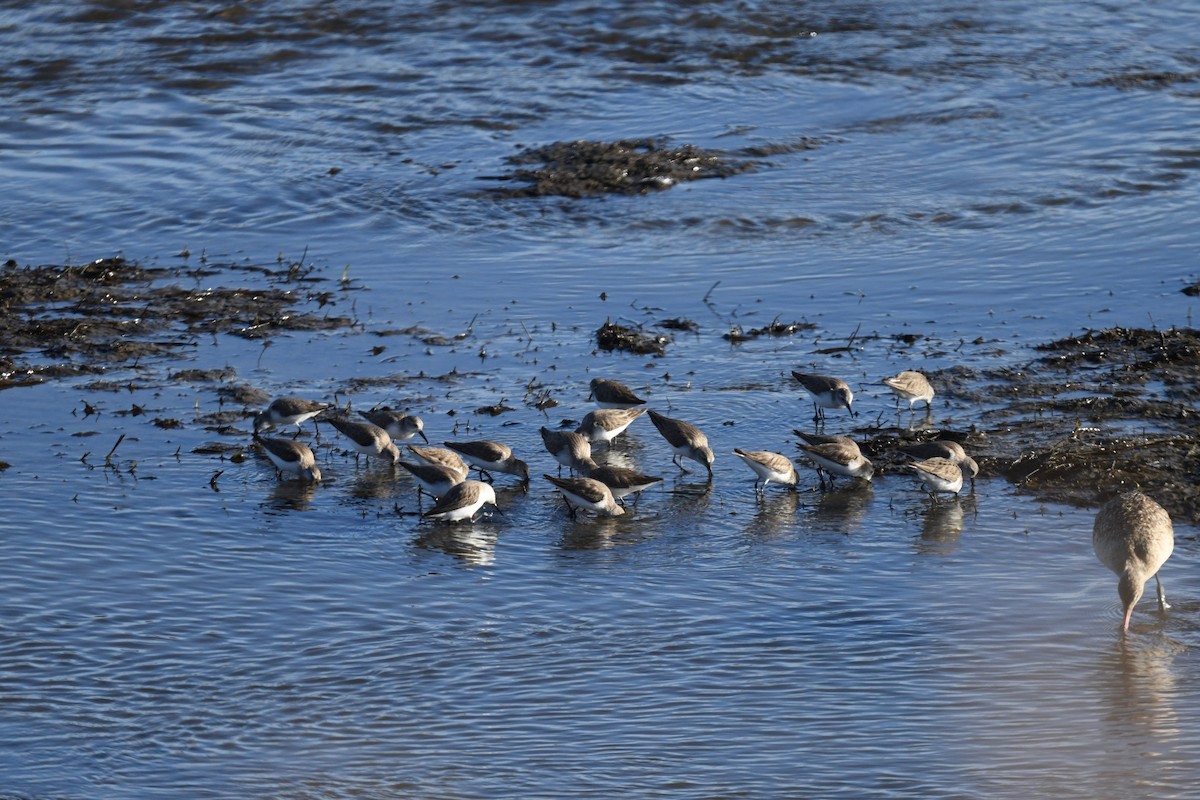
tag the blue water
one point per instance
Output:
(977, 180)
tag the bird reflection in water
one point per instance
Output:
(943, 522)
(291, 495)
(845, 507)
(472, 544)
(377, 483)
(591, 533)
(775, 514)
(1141, 678)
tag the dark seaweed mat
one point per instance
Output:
(62, 321)
(629, 166)
(1105, 412)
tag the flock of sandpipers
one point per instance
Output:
(1132, 534)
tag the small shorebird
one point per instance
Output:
(944, 448)
(441, 457)
(400, 426)
(606, 424)
(290, 457)
(586, 493)
(570, 449)
(686, 440)
(463, 501)
(838, 458)
(939, 475)
(288, 411)
(768, 466)
(623, 481)
(826, 393)
(821, 438)
(432, 479)
(488, 457)
(613, 394)
(1133, 537)
(366, 439)
(912, 386)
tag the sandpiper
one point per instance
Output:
(288, 411)
(400, 426)
(623, 481)
(768, 466)
(944, 448)
(939, 475)
(432, 479)
(686, 441)
(570, 449)
(290, 457)
(822, 438)
(586, 493)
(613, 394)
(606, 424)
(839, 459)
(440, 456)
(826, 393)
(1133, 536)
(912, 386)
(463, 501)
(367, 439)
(488, 457)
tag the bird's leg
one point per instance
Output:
(486, 476)
(1163, 605)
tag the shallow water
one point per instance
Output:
(980, 180)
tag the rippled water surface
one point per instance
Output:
(175, 623)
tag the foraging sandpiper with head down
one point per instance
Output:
(463, 502)
(827, 392)
(613, 394)
(686, 440)
(290, 457)
(571, 450)
(588, 494)
(366, 439)
(623, 481)
(838, 458)
(288, 411)
(432, 479)
(912, 386)
(605, 424)
(768, 466)
(939, 475)
(400, 426)
(488, 456)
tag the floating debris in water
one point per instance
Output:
(679, 324)
(630, 166)
(776, 328)
(611, 336)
